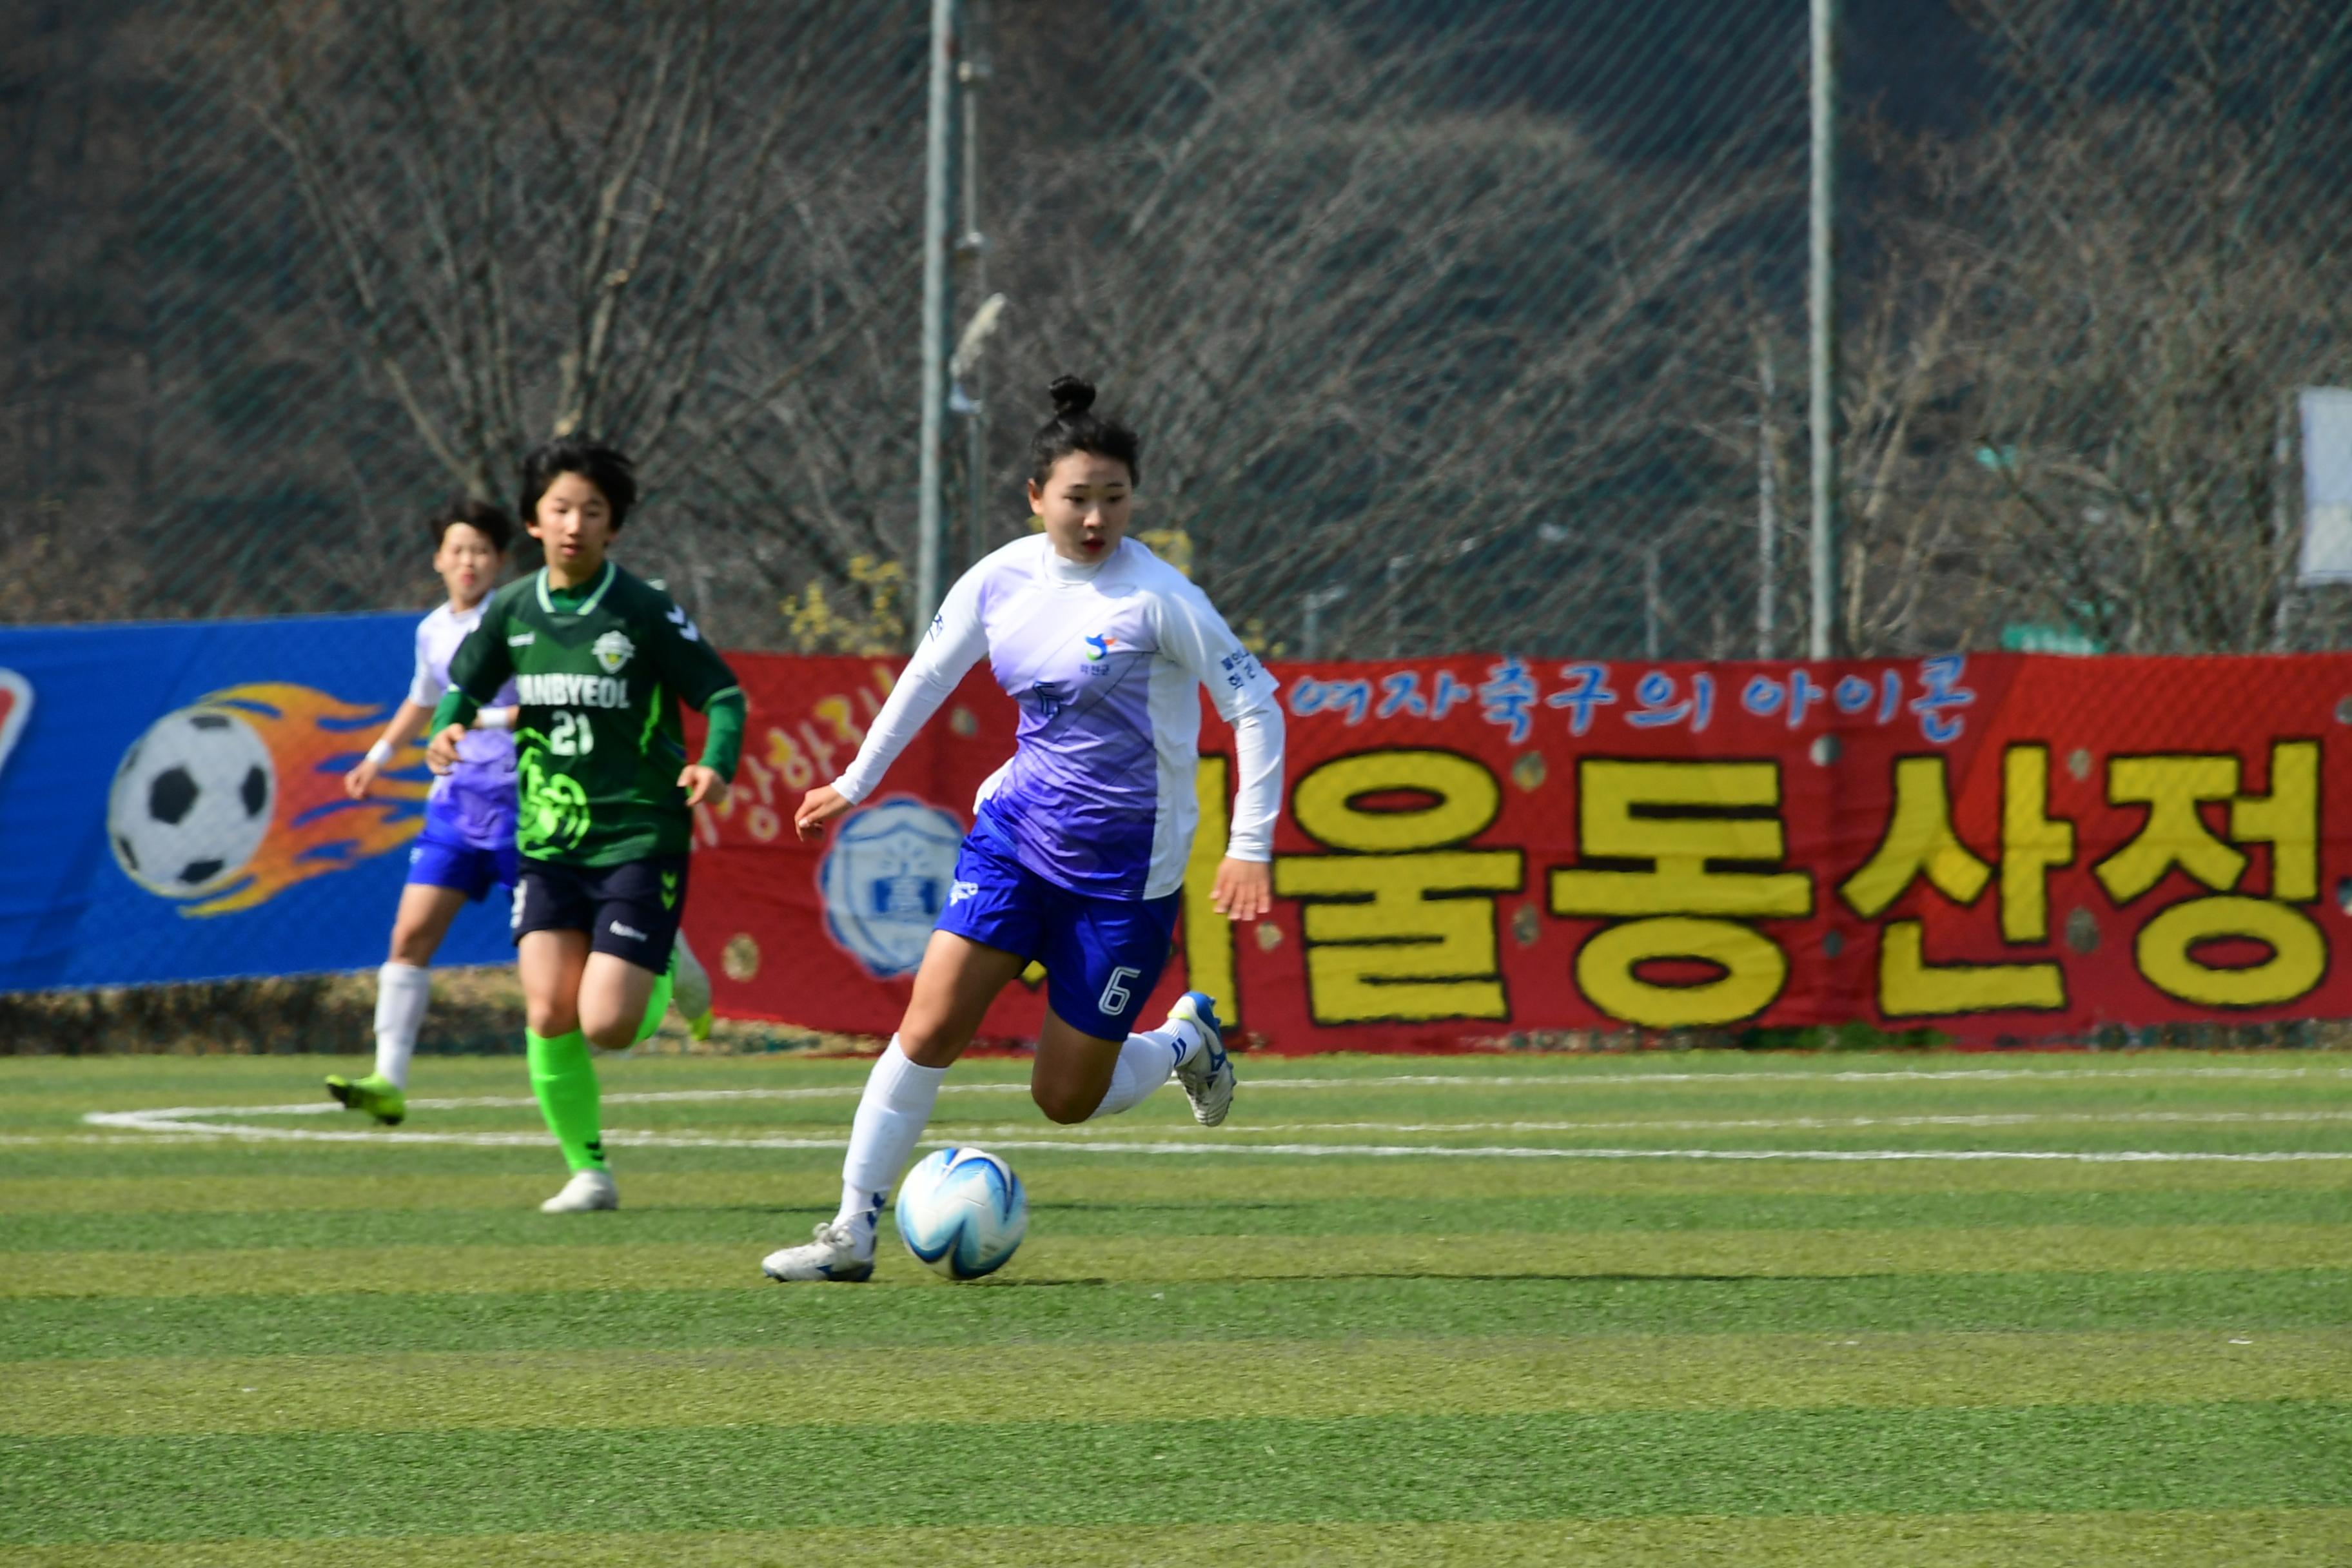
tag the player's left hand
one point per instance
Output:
(442, 754)
(1243, 890)
(702, 785)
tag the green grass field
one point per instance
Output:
(1489, 1310)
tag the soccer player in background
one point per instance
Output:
(1078, 845)
(599, 660)
(466, 846)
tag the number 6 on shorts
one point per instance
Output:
(1113, 1002)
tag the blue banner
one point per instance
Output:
(171, 803)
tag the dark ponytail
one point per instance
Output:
(1076, 427)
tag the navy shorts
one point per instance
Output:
(1102, 956)
(468, 844)
(630, 910)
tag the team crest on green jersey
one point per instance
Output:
(613, 651)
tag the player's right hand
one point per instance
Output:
(361, 779)
(819, 806)
(442, 754)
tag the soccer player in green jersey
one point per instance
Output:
(600, 661)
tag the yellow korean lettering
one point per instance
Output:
(2287, 819)
(2033, 843)
(785, 756)
(1208, 935)
(1402, 936)
(1462, 800)
(2175, 834)
(1919, 842)
(1911, 987)
(1751, 970)
(1401, 924)
(1685, 819)
(2166, 952)
(1620, 812)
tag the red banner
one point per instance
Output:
(1476, 848)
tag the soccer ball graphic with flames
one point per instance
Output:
(229, 802)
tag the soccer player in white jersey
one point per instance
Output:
(468, 845)
(1077, 849)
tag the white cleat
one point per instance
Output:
(586, 1191)
(690, 988)
(1208, 1077)
(831, 1256)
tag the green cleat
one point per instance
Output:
(374, 1094)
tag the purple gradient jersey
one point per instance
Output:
(1105, 660)
(478, 795)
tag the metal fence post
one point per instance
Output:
(931, 520)
(1820, 293)
(1768, 517)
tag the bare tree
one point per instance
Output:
(1457, 365)
(2102, 301)
(648, 225)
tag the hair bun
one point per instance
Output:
(1070, 396)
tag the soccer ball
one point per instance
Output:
(962, 1213)
(191, 802)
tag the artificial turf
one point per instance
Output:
(1397, 1312)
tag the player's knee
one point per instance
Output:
(614, 1035)
(927, 1046)
(549, 1019)
(1063, 1103)
(411, 944)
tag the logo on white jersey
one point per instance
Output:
(1098, 649)
(1242, 668)
(613, 651)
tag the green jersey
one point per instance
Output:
(599, 673)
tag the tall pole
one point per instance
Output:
(1767, 510)
(1820, 298)
(972, 72)
(929, 519)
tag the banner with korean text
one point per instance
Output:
(1480, 847)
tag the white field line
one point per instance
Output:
(1727, 1124)
(195, 1120)
(153, 1121)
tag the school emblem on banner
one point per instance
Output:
(885, 880)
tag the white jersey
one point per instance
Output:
(484, 756)
(1105, 660)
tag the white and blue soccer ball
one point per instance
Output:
(962, 1213)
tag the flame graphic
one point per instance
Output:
(315, 828)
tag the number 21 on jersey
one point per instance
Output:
(571, 735)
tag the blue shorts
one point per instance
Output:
(1102, 956)
(468, 843)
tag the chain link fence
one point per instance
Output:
(1446, 327)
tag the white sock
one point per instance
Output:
(891, 1115)
(402, 993)
(1145, 1063)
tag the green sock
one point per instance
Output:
(564, 1079)
(656, 1004)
